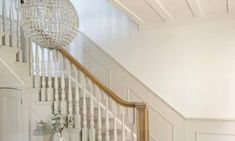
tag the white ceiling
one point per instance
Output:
(155, 11)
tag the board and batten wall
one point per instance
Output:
(166, 124)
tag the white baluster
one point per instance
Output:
(14, 38)
(115, 121)
(1, 24)
(1, 36)
(77, 100)
(50, 93)
(84, 108)
(5, 25)
(99, 126)
(92, 122)
(70, 96)
(31, 56)
(1, 32)
(37, 69)
(107, 137)
(18, 31)
(6, 38)
(123, 125)
(133, 125)
(31, 60)
(11, 24)
(43, 70)
(7, 33)
(14, 25)
(25, 55)
(3, 14)
(56, 83)
(63, 95)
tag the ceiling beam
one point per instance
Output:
(158, 7)
(127, 11)
(195, 7)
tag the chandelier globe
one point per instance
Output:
(50, 24)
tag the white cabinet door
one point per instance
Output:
(10, 115)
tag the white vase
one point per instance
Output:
(58, 137)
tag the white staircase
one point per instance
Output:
(58, 82)
(69, 90)
(12, 44)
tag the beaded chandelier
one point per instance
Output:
(49, 23)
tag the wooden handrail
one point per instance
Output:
(95, 80)
(142, 108)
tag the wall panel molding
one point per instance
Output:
(213, 134)
(168, 124)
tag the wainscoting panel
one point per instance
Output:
(166, 124)
(210, 130)
(203, 136)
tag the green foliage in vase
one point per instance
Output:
(58, 123)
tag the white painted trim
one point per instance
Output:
(158, 7)
(126, 10)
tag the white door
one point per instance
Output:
(10, 115)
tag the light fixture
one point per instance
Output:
(49, 23)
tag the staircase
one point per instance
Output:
(94, 112)
(14, 46)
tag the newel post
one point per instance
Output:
(142, 122)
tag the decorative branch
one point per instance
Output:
(58, 123)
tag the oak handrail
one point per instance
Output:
(142, 108)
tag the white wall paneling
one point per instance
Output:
(170, 123)
(166, 124)
(203, 136)
(11, 115)
(209, 130)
